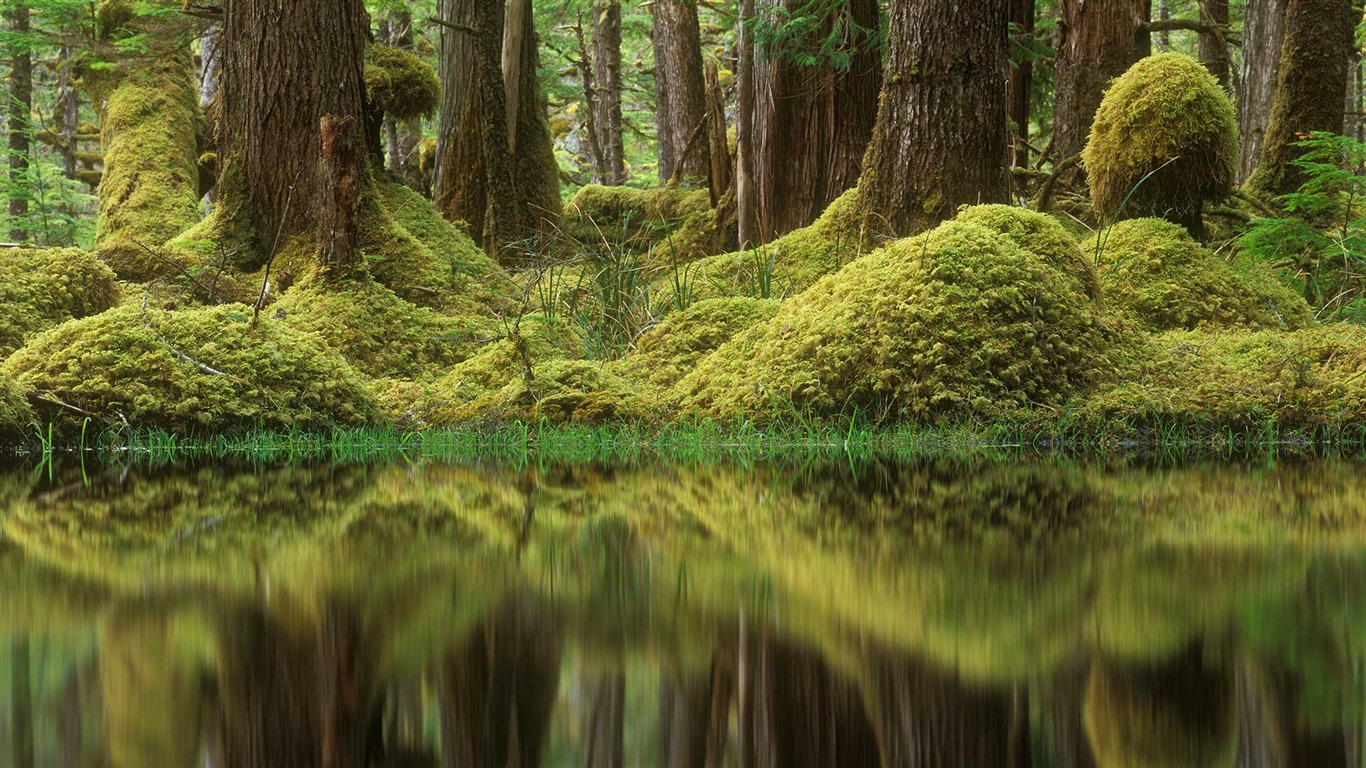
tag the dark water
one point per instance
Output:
(947, 613)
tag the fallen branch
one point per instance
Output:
(147, 323)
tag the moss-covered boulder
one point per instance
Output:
(960, 323)
(41, 288)
(1164, 142)
(673, 348)
(1041, 235)
(400, 84)
(207, 369)
(1306, 379)
(1153, 273)
(15, 413)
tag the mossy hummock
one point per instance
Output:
(673, 348)
(15, 413)
(40, 288)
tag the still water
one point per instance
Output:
(951, 612)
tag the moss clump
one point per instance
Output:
(15, 413)
(149, 192)
(1153, 273)
(41, 288)
(1168, 117)
(192, 369)
(671, 224)
(380, 333)
(959, 323)
(1229, 378)
(400, 84)
(673, 348)
(1041, 235)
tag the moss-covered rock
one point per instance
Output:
(1041, 235)
(400, 84)
(1153, 273)
(960, 323)
(41, 288)
(207, 369)
(1315, 377)
(1165, 138)
(673, 348)
(15, 413)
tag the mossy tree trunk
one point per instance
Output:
(680, 97)
(746, 201)
(1022, 14)
(20, 107)
(285, 67)
(812, 123)
(941, 136)
(1309, 88)
(1263, 36)
(610, 161)
(1097, 41)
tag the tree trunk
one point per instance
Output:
(286, 66)
(610, 164)
(679, 94)
(1021, 80)
(1309, 88)
(722, 178)
(66, 113)
(812, 124)
(20, 107)
(746, 202)
(1163, 41)
(343, 181)
(535, 201)
(1212, 47)
(1263, 36)
(941, 136)
(403, 138)
(455, 54)
(1097, 41)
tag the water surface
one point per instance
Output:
(954, 612)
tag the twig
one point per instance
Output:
(452, 25)
(147, 323)
(274, 249)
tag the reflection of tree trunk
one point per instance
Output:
(69, 729)
(1254, 742)
(607, 697)
(1070, 747)
(497, 690)
(1292, 740)
(151, 699)
(21, 701)
(684, 720)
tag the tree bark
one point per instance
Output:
(746, 202)
(1021, 80)
(812, 123)
(1212, 47)
(286, 65)
(343, 180)
(610, 164)
(20, 108)
(1097, 41)
(455, 54)
(941, 137)
(1309, 88)
(1263, 36)
(66, 113)
(722, 173)
(679, 94)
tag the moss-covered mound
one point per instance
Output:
(15, 413)
(400, 84)
(667, 223)
(41, 288)
(958, 323)
(205, 369)
(1155, 274)
(1310, 378)
(673, 348)
(1041, 235)
(1165, 138)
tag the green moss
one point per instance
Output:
(41, 288)
(1168, 117)
(15, 413)
(960, 323)
(668, 223)
(1298, 379)
(149, 192)
(674, 347)
(1041, 235)
(400, 84)
(1153, 273)
(205, 369)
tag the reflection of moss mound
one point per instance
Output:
(400, 84)
(1305, 378)
(957, 323)
(1042, 236)
(204, 368)
(667, 352)
(1152, 272)
(41, 288)
(15, 413)
(1167, 116)
(1180, 714)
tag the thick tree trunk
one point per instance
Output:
(1263, 36)
(722, 172)
(285, 66)
(343, 181)
(812, 124)
(1097, 41)
(941, 136)
(499, 217)
(1309, 88)
(1021, 80)
(1212, 47)
(535, 171)
(679, 94)
(455, 54)
(746, 201)
(610, 163)
(20, 107)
